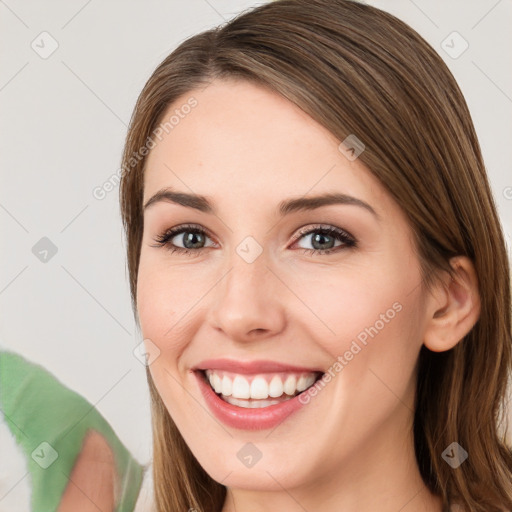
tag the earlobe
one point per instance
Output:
(453, 307)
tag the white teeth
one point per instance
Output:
(217, 385)
(227, 386)
(241, 387)
(290, 385)
(301, 383)
(310, 380)
(258, 387)
(275, 388)
(304, 382)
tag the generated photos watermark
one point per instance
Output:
(355, 348)
(101, 191)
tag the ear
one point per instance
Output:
(453, 307)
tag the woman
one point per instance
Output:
(318, 271)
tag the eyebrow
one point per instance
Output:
(203, 204)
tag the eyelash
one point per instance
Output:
(163, 240)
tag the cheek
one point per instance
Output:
(370, 318)
(163, 299)
(373, 350)
(166, 296)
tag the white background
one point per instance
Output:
(63, 123)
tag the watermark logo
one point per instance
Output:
(45, 455)
(44, 250)
(249, 455)
(44, 45)
(455, 455)
(146, 352)
(249, 249)
(351, 147)
(454, 45)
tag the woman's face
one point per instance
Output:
(266, 282)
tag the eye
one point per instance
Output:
(190, 236)
(323, 239)
(193, 239)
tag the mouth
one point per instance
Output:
(258, 391)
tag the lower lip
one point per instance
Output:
(246, 419)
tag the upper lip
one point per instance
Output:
(250, 367)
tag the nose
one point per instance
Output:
(248, 302)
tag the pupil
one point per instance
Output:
(321, 240)
(192, 238)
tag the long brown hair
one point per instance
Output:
(358, 70)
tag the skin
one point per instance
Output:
(92, 481)
(351, 447)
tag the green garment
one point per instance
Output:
(49, 422)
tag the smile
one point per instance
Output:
(259, 390)
(232, 397)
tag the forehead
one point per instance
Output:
(249, 146)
